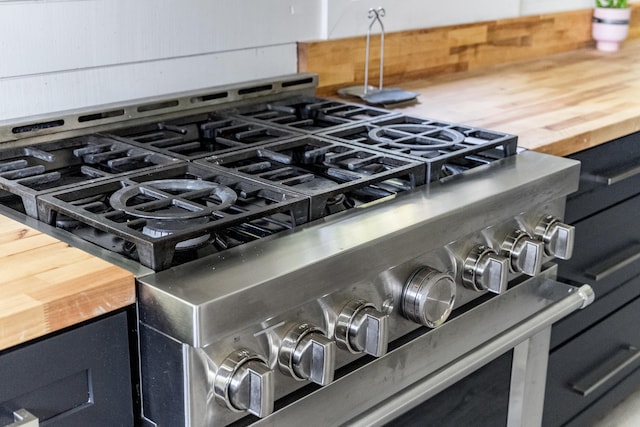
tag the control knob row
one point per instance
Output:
(244, 381)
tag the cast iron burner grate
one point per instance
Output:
(310, 114)
(174, 214)
(201, 135)
(447, 149)
(30, 171)
(336, 176)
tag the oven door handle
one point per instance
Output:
(433, 384)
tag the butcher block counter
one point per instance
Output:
(559, 104)
(47, 285)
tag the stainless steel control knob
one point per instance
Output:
(307, 354)
(557, 237)
(524, 253)
(360, 327)
(428, 297)
(485, 270)
(244, 382)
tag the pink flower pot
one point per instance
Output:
(610, 27)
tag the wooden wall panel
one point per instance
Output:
(433, 51)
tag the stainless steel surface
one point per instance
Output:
(359, 244)
(428, 297)
(485, 270)
(24, 418)
(525, 254)
(489, 329)
(307, 354)
(244, 382)
(528, 373)
(105, 117)
(360, 327)
(600, 376)
(558, 237)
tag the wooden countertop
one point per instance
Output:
(559, 104)
(47, 285)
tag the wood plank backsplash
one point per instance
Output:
(433, 51)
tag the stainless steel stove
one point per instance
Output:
(312, 257)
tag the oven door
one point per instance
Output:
(516, 325)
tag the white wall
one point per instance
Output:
(59, 55)
(347, 18)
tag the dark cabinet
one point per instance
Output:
(594, 359)
(80, 377)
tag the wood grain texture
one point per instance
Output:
(558, 104)
(436, 51)
(46, 285)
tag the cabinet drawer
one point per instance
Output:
(609, 174)
(581, 320)
(81, 377)
(592, 364)
(607, 248)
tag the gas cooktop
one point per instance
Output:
(181, 178)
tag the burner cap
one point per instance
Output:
(173, 199)
(160, 228)
(418, 137)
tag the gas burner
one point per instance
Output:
(310, 114)
(325, 170)
(31, 171)
(202, 135)
(167, 205)
(171, 200)
(161, 228)
(447, 149)
(158, 216)
(416, 137)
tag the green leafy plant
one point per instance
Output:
(618, 4)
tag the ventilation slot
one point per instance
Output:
(298, 82)
(101, 115)
(209, 97)
(158, 106)
(255, 89)
(37, 126)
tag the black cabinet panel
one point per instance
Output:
(607, 248)
(81, 377)
(588, 368)
(609, 174)
(599, 339)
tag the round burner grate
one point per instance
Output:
(173, 199)
(417, 137)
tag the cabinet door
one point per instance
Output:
(81, 377)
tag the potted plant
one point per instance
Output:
(610, 23)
